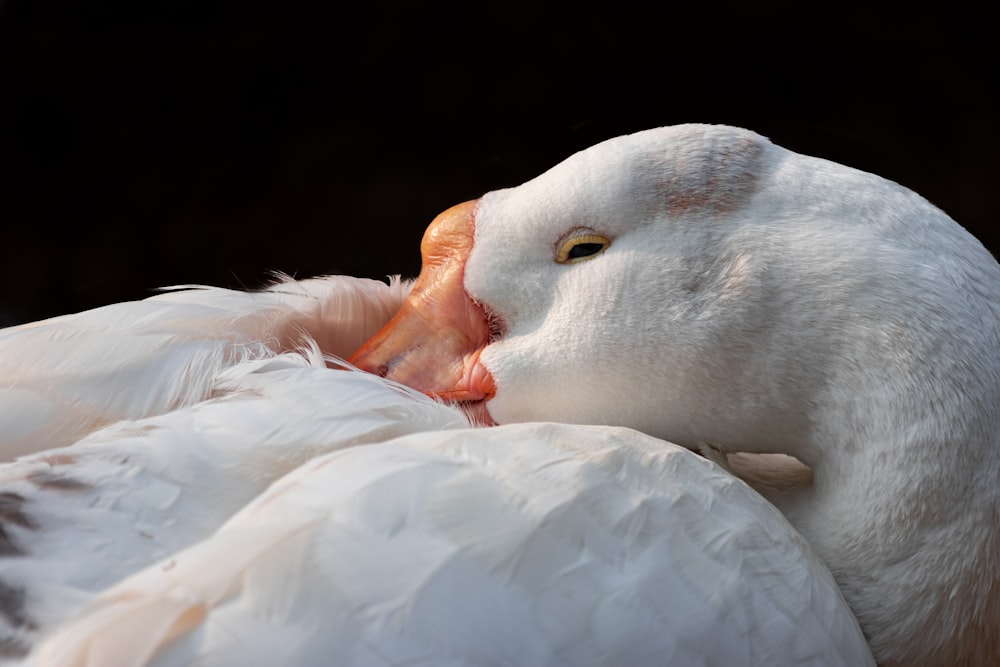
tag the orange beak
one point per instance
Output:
(434, 341)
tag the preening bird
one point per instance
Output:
(707, 287)
(229, 499)
(236, 498)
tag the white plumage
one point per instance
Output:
(697, 283)
(520, 545)
(705, 286)
(64, 377)
(138, 491)
(392, 534)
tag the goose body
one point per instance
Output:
(150, 424)
(527, 544)
(707, 287)
(78, 519)
(226, 498)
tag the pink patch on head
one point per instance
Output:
(709, 175)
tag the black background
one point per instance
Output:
(148, 143)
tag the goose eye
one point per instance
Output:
(579, 248)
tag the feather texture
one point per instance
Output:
(526, 544)
(201, 484)
(137, 491)
(65, 377)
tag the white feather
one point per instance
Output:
(214, 509)
(137, 491)
(65, 377)
(528, 544)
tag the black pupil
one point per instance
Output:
(584, 250)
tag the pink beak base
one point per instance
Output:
(434, 341)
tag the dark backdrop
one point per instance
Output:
(153, 143)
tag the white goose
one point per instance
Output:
(433, 544)
(705, 286)
(759, 301)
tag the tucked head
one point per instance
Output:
(695, 282)
(703, 285)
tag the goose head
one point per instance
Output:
(703, 285)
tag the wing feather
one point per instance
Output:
(522, 544)
(68, 376)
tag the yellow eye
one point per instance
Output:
(582, 247)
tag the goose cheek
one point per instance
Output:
(434, 342)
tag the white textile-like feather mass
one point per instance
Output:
(64, 377)
(524, 544)
(137, 491)
(226, 513)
